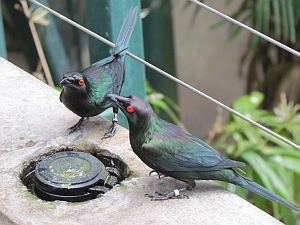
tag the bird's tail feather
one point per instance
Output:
(126, 31)
(256, 188)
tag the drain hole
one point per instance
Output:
(72, 175)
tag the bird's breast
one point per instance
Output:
(80, 104)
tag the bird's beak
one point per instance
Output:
(118, 100)
(66, 81)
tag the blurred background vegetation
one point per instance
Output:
(270, 69)
(272, 82)
(270, 162)
(272, 79)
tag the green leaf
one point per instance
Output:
(273, 139)
(266, 16)
(269, 177)
(159, 101)
(292, 33)
(277, 23)
(59, 89)
(248, 103)
(284, 18)
(288, 162)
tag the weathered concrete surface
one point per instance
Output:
(33, 119)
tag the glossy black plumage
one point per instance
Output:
(171, 151)
(84, 93)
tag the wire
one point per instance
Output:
(248, 28)
(168, 76)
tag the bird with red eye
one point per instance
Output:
(174, 152)
(84, 92)
(130, 109)
(81, 82)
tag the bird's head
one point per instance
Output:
(74, 80)
(135, 109)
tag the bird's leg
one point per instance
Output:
(112, 130)
(80, 123)
(160, 175)
(173, 194)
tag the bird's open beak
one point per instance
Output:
(118, 100)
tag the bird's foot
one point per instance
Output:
(160, 175)
(80, 123)
(173, 194)
(111, 131)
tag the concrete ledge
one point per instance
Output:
(33, 120)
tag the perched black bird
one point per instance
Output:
(171, 151)
(84, 93)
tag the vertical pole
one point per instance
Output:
(105, 18)
(2, 36)
(159, 49)
(53, 47)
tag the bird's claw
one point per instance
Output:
(73, 128)
(80, 123)
(160, 175)
(111, 131)
(173, 194)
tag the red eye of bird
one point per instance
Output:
(63, 77)
(130, 109)
(81, 82)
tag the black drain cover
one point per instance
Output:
(70, 176)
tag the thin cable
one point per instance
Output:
(267, 38)
(169, 76)
(215, 101)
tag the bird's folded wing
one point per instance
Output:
(177, 155)
(102, 62)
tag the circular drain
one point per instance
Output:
(71, 176)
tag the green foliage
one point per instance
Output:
(59, 89)
(160, 102)
(270, 162)
(275, 18)
(269, 69)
